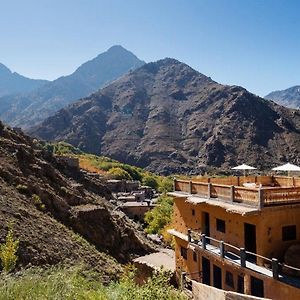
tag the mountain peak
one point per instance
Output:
(4, 70)
(117, 48)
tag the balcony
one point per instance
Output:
(256, 191)
(271, 268)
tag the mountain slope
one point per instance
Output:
(289, 97)
(27, 109)
(13, 83)
(49, 202)
(169, 118)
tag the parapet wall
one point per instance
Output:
(205, 292)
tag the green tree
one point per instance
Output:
(8, 251)
(165, 184)
(150, 180)
(119, 173)
(160, 216)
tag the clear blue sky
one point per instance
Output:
(253, 43)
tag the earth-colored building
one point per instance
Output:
(239, 234)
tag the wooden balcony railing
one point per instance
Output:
(257, 195)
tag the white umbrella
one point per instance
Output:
(287, 167)
(243, 167)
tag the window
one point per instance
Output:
(221, 225)
(193, 212)
(183, 252)
(289, 233)
(229, 279)
(194, 256)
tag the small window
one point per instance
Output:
(183, 252)
(289, 233)
(221, 225)
(194, 256)
(229, 279)
(193, 212)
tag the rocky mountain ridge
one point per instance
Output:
(27, 109)
(289, 97)
(169, 118)
(13, 83)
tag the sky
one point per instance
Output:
(252, 43)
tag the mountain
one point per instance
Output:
(59, 213)
(24, 110)
(169, 118)
(289, 97)
(13, 83)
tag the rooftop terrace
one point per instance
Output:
(253, 191)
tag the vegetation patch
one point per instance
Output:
(72, 283)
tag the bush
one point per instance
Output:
(160, 216)
(22, 188)
(133, 171)
(38, 203)
(150, 180)
(8, 250)
(119, 173)
(74, 283)
(165, 184)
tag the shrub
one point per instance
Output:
(165, 184)
(119, 173)
(8, 251)
(38, 203)
(133, 171)
(22, 188)
(150, 180)
(74, 283)
(160, 216)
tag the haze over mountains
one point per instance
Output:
(289, 97)
(27, 109)
(169, 118)
(11, 83)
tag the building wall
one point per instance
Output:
(273, 289)
(269, 223)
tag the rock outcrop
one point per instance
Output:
(52, 206)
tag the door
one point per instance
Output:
(217, 274)
(240, 284)
(205, 225)
(257, 287)
(205, 271)
(250, 239)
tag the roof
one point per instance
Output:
(237, 208)
(164, 258)
(137, 204)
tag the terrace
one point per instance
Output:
(253, 191)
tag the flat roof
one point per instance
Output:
(164, 258)
(238, 208)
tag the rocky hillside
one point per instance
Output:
(26, 109)
(169, 118)
(52, 206)
(12, 83)
(289, 97)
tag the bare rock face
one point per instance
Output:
(169, 118)
(108, 232)
(52, 205)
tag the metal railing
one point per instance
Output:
(201, 240)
